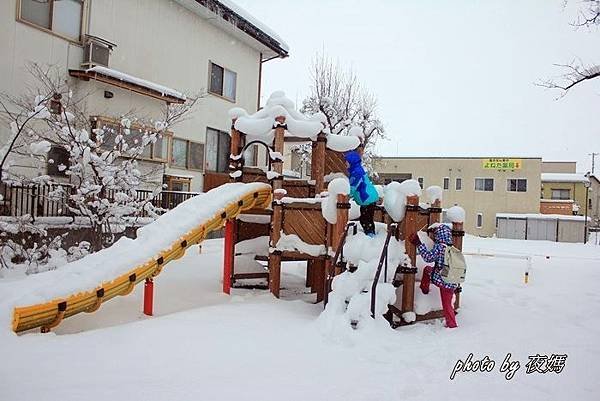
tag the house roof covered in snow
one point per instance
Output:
(240, 24)
(564, 177)
(129, 82)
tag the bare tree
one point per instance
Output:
(103, 164)
(576, 72)
(338, 94)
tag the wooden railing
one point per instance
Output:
(53, 200)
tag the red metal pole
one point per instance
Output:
(148, 296)
(228, 256)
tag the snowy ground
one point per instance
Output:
(203, 345)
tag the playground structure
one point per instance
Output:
(297, 212)
(287, 212)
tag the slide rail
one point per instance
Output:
(50, 314)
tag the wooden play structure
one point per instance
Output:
(297, 212)
(294, 211)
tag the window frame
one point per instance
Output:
(187, 155)
(477, 218)
(222, 94)
(456, 180)
(484, 190)
(517, 179)
(560, 189)
(167, 138)
(446, 183)
(221, 133)
(82, 24)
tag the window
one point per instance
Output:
(218, 149)
(446, 183)
(421, 181)
(458, 184)
(484, 184)
(60, 16)
(479, 220)
(58, 161)
(187, 154)
(516, 185)
(175, 183)
(222, 82)
(561, 194)
(156, 151)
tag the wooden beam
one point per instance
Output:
(142, 90)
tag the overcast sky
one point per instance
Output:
(452, 78)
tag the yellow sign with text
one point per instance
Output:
(502, 164)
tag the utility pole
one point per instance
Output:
(593, 154)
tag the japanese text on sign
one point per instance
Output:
(502, 164)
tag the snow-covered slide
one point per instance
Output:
(83, 285)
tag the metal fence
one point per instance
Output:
(53, 200)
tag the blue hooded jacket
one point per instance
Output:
(362, 189)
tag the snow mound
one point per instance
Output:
(456, 214)
(394, 197)
(329, 205)
(261, 123)
(433, 193)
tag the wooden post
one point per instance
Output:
(410, 226)
(228, 255)
(435, 212)
(457, 240)
(148, 296)
(319, 278)
(236, 140)
(343, 206)
(318, 163)
(274, 255)
(278, 144)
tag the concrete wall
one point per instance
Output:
(157, 40)
(433, 170)
(559, 167)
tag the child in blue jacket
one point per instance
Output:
(362, 191)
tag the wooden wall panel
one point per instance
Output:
(334, 162)
(306, 223)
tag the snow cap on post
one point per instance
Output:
(329, 206)
(456, 214)
(433, 193)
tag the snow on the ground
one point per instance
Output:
(202, 344)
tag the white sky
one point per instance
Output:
(452, 78)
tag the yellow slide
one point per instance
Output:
(50, 314)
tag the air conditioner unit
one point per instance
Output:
(96, 51)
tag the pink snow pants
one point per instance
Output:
(445, 294)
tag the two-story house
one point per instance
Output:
(139, 55)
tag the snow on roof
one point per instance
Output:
(540, 216)
(261, 123)
(564, 177)
(254, 21)
(166, 91)
(557, 200)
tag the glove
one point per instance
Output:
(414, 239)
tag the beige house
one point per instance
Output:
(139, 55)
(563, 189)
(482, 186)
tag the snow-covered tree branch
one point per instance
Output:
(577, 72)
(103, 157)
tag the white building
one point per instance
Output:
(146, 53)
